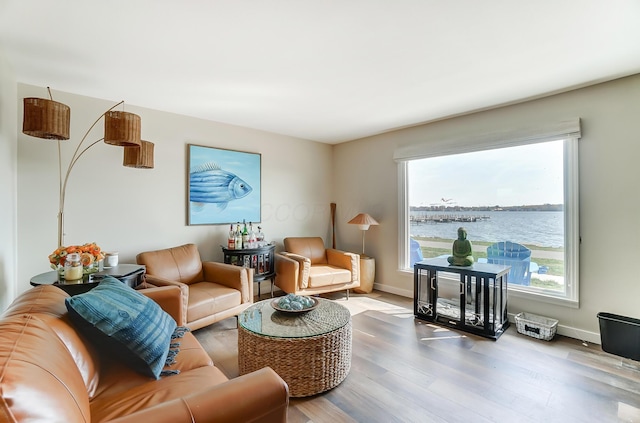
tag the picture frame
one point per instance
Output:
(223, 186)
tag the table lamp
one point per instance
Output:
(363, 220)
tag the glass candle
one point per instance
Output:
(72, 267)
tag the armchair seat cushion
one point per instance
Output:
(209, 298)
(327, 275)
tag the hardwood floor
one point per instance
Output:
(406, 370)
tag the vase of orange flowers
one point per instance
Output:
(90, 257)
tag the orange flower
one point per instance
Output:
(86, 259)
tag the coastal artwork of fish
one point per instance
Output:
(210, 184)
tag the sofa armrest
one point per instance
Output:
(260, 396)
(345, 260)
(169, 298)
(184, 291)
(236, 277)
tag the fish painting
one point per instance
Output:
(210, 184)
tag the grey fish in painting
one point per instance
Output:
(210, 184)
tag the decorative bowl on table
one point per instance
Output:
(292, 303)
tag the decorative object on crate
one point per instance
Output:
(462, 250)
(536, 326)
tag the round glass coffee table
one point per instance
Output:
(311, 351)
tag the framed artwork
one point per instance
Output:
(223, 186)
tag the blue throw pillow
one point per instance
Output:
(129, 325)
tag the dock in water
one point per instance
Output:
(446, 218)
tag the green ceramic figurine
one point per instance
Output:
(462, 250)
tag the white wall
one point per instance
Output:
(365, 179)
(133, 210)
(8, 172)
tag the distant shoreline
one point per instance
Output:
(537, 207)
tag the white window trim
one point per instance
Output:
(569, 130)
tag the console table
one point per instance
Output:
(259, 259)
(472, 299)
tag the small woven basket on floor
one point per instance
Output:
(536, 326)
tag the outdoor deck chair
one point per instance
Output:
(517, 256)
(415, 251)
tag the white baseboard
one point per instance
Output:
(393, 290)
(571, 332)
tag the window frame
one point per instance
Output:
(569, 132)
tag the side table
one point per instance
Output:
(130, 274)
(260, 259)
(367, 274)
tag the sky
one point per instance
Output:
(524, 175)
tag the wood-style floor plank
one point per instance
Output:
(408, 370)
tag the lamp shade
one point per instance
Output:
(46, 119)
(140, 157)
(363, 220)
(122, 129)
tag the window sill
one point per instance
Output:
(543, 298)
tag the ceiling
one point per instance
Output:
(323, 70)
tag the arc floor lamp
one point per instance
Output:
(48, 119)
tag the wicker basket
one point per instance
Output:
(536, 326)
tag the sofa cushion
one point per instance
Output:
(117, 376)
(130, 325)
(110, 404)
(39, 380)
(46, 302)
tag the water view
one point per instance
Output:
(540, 228)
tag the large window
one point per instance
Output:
(517, 199)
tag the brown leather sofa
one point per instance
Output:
(50, 373)
(210, 291)
(306, 267)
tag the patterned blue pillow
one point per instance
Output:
(127, 324)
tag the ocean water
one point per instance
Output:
(544, 229)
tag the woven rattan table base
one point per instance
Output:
(309, 365)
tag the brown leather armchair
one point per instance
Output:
(210, 291)
(306, 267)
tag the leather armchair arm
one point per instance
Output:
(292, 271)
(169, 298)
(260, 396)
(184, 291)
(236, 277)
(345, 260)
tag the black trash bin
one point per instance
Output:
(620, 335)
